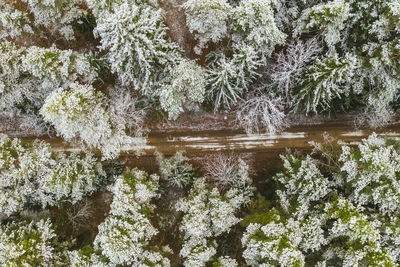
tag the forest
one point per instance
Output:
(198, 133)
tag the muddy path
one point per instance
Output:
(213, 141)
(261, 149)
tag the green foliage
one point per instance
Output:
(27, 243)
(260, 211)
(326, 80)
(175, 170)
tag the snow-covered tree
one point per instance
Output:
(362, 245)
(274, 243)
(138, 49)
(254, 24)
(185, 89)
(175, 170)
(225, 261)
(72, 177)
(30, 16)
(228, 78)
(57, 65)
(341, 209)
(303, 182)
(20, 169)
(27, 243)
(207, 20)
(208, 214)
(30, 74)
(372, 172)
(13, 21)
(12, 89)
(371, 21)
(227, 171)
(327, 79)
(80, 112)
(288, 69)
(125, 234)
(124, 104)
(85, 257)
(380, 72)
(30, 174)
(325, 18)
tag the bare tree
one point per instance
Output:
(261, 113)
(373, 120)
(290, 65)
(226, 170)
(80, 215)
(124, 106)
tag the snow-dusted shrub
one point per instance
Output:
(175, 170)
(254, 24)
(79, 258)
(327, 19)
(288, 69)
(32, 174)
(138, 49)
(362, 238)
(228, 78)
(185, 89)
(327, 79)
(125, 234)
(207, 20)
(372, 172)
(273, 244)
(26, 244)
(56, 17)
(80, 112)
(207, 214)
(261, 113)
(303, 182)
(227, 171)
(14, 22)
(72, 177)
